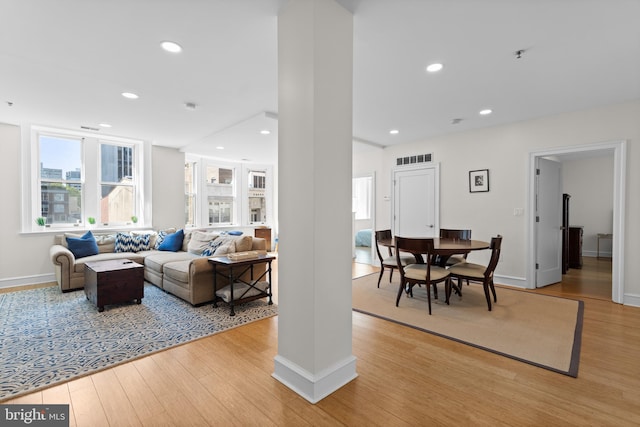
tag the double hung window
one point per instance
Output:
(84, 179)
(225, 194)
(61, 184)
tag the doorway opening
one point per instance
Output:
(363, 193)
(616, 149)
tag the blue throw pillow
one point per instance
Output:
(235, 233)
(83, 246)
(172, 242)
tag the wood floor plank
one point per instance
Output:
(87, 407)
(60, 395)
(145, 404)
(115, 401)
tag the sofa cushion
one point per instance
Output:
(172, 242)
(131, 243)
(156, 260)
(200, 241)
(227, 244)
(178, 271)
(83, 246)
(243, 244)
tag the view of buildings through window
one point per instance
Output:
(190, 194)
(62, 185)
(225, 194)
(117, 202)
(221, 195)
(60, 179)
(257, 181)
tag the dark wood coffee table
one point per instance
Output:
(113, 282)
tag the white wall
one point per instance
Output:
(24, 258)
(590, 184)
(504, 150)
(168, 188)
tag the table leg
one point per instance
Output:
(270, 289)
(233, 313)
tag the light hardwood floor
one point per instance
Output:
(406, 378)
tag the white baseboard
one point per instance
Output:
(631, 300)
(27, 280)
(316, 387)
(517, 282)
(594, 254)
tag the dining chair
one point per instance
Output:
(421, 271)
(389, 261)
(450, 233)
(479, 273)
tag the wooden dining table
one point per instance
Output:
(445, 248)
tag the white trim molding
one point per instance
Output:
(312, 387)
(619, 150)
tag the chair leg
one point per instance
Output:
(429, 298)
(400, 290)
(485, 285)
(435, 291)
(447, 289)
(390, 274)
(493, 291)
(381, 273)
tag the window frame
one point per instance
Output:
(242, 214)
(90, 178)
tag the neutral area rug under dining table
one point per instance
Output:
(48, 337)
(541, 330)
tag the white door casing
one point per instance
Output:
(619, 149)
(548, 212)
(416, 203)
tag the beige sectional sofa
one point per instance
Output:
(185, 273)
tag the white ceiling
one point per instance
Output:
(65, 63)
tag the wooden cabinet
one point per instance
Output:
(264, 233)
(575, 247)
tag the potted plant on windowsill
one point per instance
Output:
(41, 221)
(134, 219)
(91, 220)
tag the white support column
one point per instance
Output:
(315, 57)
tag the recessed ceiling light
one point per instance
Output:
(485, 112)
(130, 95)
(265, 132)
(171, 47)
(394, 131)
(434, 68)
(220, 148)
(105, 125)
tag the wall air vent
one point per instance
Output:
(89, 128)
(411, 160)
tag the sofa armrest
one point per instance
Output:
(63, 262)
(62, 256)
(199, 264)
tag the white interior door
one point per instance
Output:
(548, 222)
(415, 202)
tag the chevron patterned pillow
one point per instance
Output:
(128, 243)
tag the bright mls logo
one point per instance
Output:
(34, 415)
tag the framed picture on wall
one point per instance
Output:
(479, 181)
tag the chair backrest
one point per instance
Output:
(383, 235)
(416, 246)
(449, 233)
(496, 243)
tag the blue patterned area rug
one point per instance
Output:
(48, 337)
